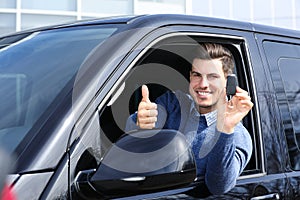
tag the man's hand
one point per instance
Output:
(147, 111)
(230, 113)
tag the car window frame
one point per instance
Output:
(244, 53)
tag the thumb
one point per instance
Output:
(145, 94)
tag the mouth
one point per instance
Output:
(203, 93)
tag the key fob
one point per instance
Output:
(231, 85)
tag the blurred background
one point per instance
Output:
(17, 15)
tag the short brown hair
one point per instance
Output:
(209, 51)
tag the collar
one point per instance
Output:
(210, 117)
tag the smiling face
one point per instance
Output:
(207, 83)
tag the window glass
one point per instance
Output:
(107, 7)
(7, 23)
(33, 21)
(284, 62)
(64, 5)
(289, 69)
(29, 87)
(7, 3)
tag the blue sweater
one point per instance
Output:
(220, 157)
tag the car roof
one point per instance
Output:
(161, 20)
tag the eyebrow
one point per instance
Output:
(194, 72)
(197, 73)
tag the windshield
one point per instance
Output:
(34, 68)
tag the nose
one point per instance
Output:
(203, 82)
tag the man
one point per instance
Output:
(221, 144)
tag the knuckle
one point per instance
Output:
(142, 113)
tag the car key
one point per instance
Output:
(231, 85)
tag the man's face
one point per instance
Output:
(207, 83)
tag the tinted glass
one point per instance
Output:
(284, 61)
(290, 69)
(34, 69)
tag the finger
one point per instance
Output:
(147, 106)
(240, 91)
(241, 99)
(246, 103)
(243, 96)
(148, 120)
(240, 96)
(145, 94)
(147, 113)
(147, 126)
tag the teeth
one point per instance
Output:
(203, 93)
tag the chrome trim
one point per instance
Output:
(257, 175)
(267, 196)
(134, 179)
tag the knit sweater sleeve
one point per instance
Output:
(228, 159)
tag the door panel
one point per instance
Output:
(283, 56)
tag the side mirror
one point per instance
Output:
(141, 162)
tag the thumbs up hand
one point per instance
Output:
(147, 111)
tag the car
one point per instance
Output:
(67, 91)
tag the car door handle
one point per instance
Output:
(268, 196)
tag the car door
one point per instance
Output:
(283, 59)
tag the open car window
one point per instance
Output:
(166, 67)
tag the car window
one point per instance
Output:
(34, 69)
(6, 41)
(289, 68)
(166, 67)
(284, 61)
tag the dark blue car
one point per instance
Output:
(67, 91)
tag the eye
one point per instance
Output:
(194, 74)
(213, 76)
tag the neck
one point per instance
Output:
(205, 110)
